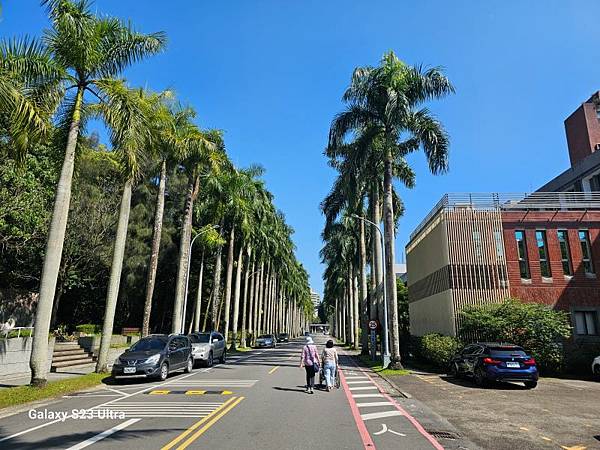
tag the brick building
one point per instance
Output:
(544, 247)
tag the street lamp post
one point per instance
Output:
(187, 277)
(386, 351)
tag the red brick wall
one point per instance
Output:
(583, 132)
(561, 292)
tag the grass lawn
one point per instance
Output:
(24, 394)
(239, 350)
(378, 368)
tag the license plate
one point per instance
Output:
(128, 369)
(514, 365)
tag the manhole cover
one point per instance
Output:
(444, 434)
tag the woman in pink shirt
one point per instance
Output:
(311, 362)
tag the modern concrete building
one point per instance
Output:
(474, 249)
(316, 299)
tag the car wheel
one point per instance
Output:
(481, 378)
(164, 372)
(530, 384)
(597, 371)
(454, 372)
(189, 366)
(223, 357)
(209, 361)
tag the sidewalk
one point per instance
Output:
(24, 378)
(434, 424)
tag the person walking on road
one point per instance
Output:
(330, 362)
(310, 361)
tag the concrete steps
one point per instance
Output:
(69, 354)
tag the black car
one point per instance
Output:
(155, 357)
(487, 362)
(283, 337)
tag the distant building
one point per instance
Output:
(401, 272)
(544, 247)
(316, 299)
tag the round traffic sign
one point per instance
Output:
(372, 324)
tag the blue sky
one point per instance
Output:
(271, 74)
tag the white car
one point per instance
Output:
(596, 367)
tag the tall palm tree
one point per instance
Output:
(88, 50)
(385, 106)
(126, 112)
(205, 153)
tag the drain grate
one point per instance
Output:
(444, 434)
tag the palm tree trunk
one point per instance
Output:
(357, 318)
(378, 255)
(395, 361)
(228, 281)
(364, 299)
(245, 307)
(56, 237)
(236, 299)
(115, 279)
(216, 289)
(350, 310)
(184, 255)
(156, 236)
(257, 305)
(199, 296)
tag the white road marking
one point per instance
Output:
(152, 386)
(385, 428)
(103, 435)
(367, 395)
(357, 377)
(362, 405)
(359, 382)
(361, 388)
(379, 415)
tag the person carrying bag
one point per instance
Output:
(311, 363)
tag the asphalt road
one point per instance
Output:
(254, 401)
(558, 414)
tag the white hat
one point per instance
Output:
(309, 340)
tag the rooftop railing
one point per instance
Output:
(540, 201)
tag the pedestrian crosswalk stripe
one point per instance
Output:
(359, 382)
(357, 378)
(361, 388)
(190, 392)
(364, 405)
(162, 409)
(367, 395)
(379, 415)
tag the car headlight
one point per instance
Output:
(153, 359)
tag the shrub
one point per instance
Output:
(535, 327)
(22, 333)
(438, 349)
(88, 328)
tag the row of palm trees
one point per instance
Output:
(383, 122)
(53, 86)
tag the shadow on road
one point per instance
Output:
(468, 383)
(301, 389)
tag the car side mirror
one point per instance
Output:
(214, 341)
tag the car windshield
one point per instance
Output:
(203, 338)
(507, 352)
(283, 335)
(149, 344)
(265, 336)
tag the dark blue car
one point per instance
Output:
(486, 362)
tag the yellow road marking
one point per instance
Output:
(575, 447)
(195, 392)
(226, 393)
(159, 392)
(209, 424)
(273, 369)
(523, 429)
(196, 425)
(546, 439)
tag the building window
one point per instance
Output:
(522, 249)
(585, 322)
(586, 251)
(478, 246)
(540, 237)
(565, 252)
(499, 246)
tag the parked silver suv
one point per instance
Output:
(208, 346)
